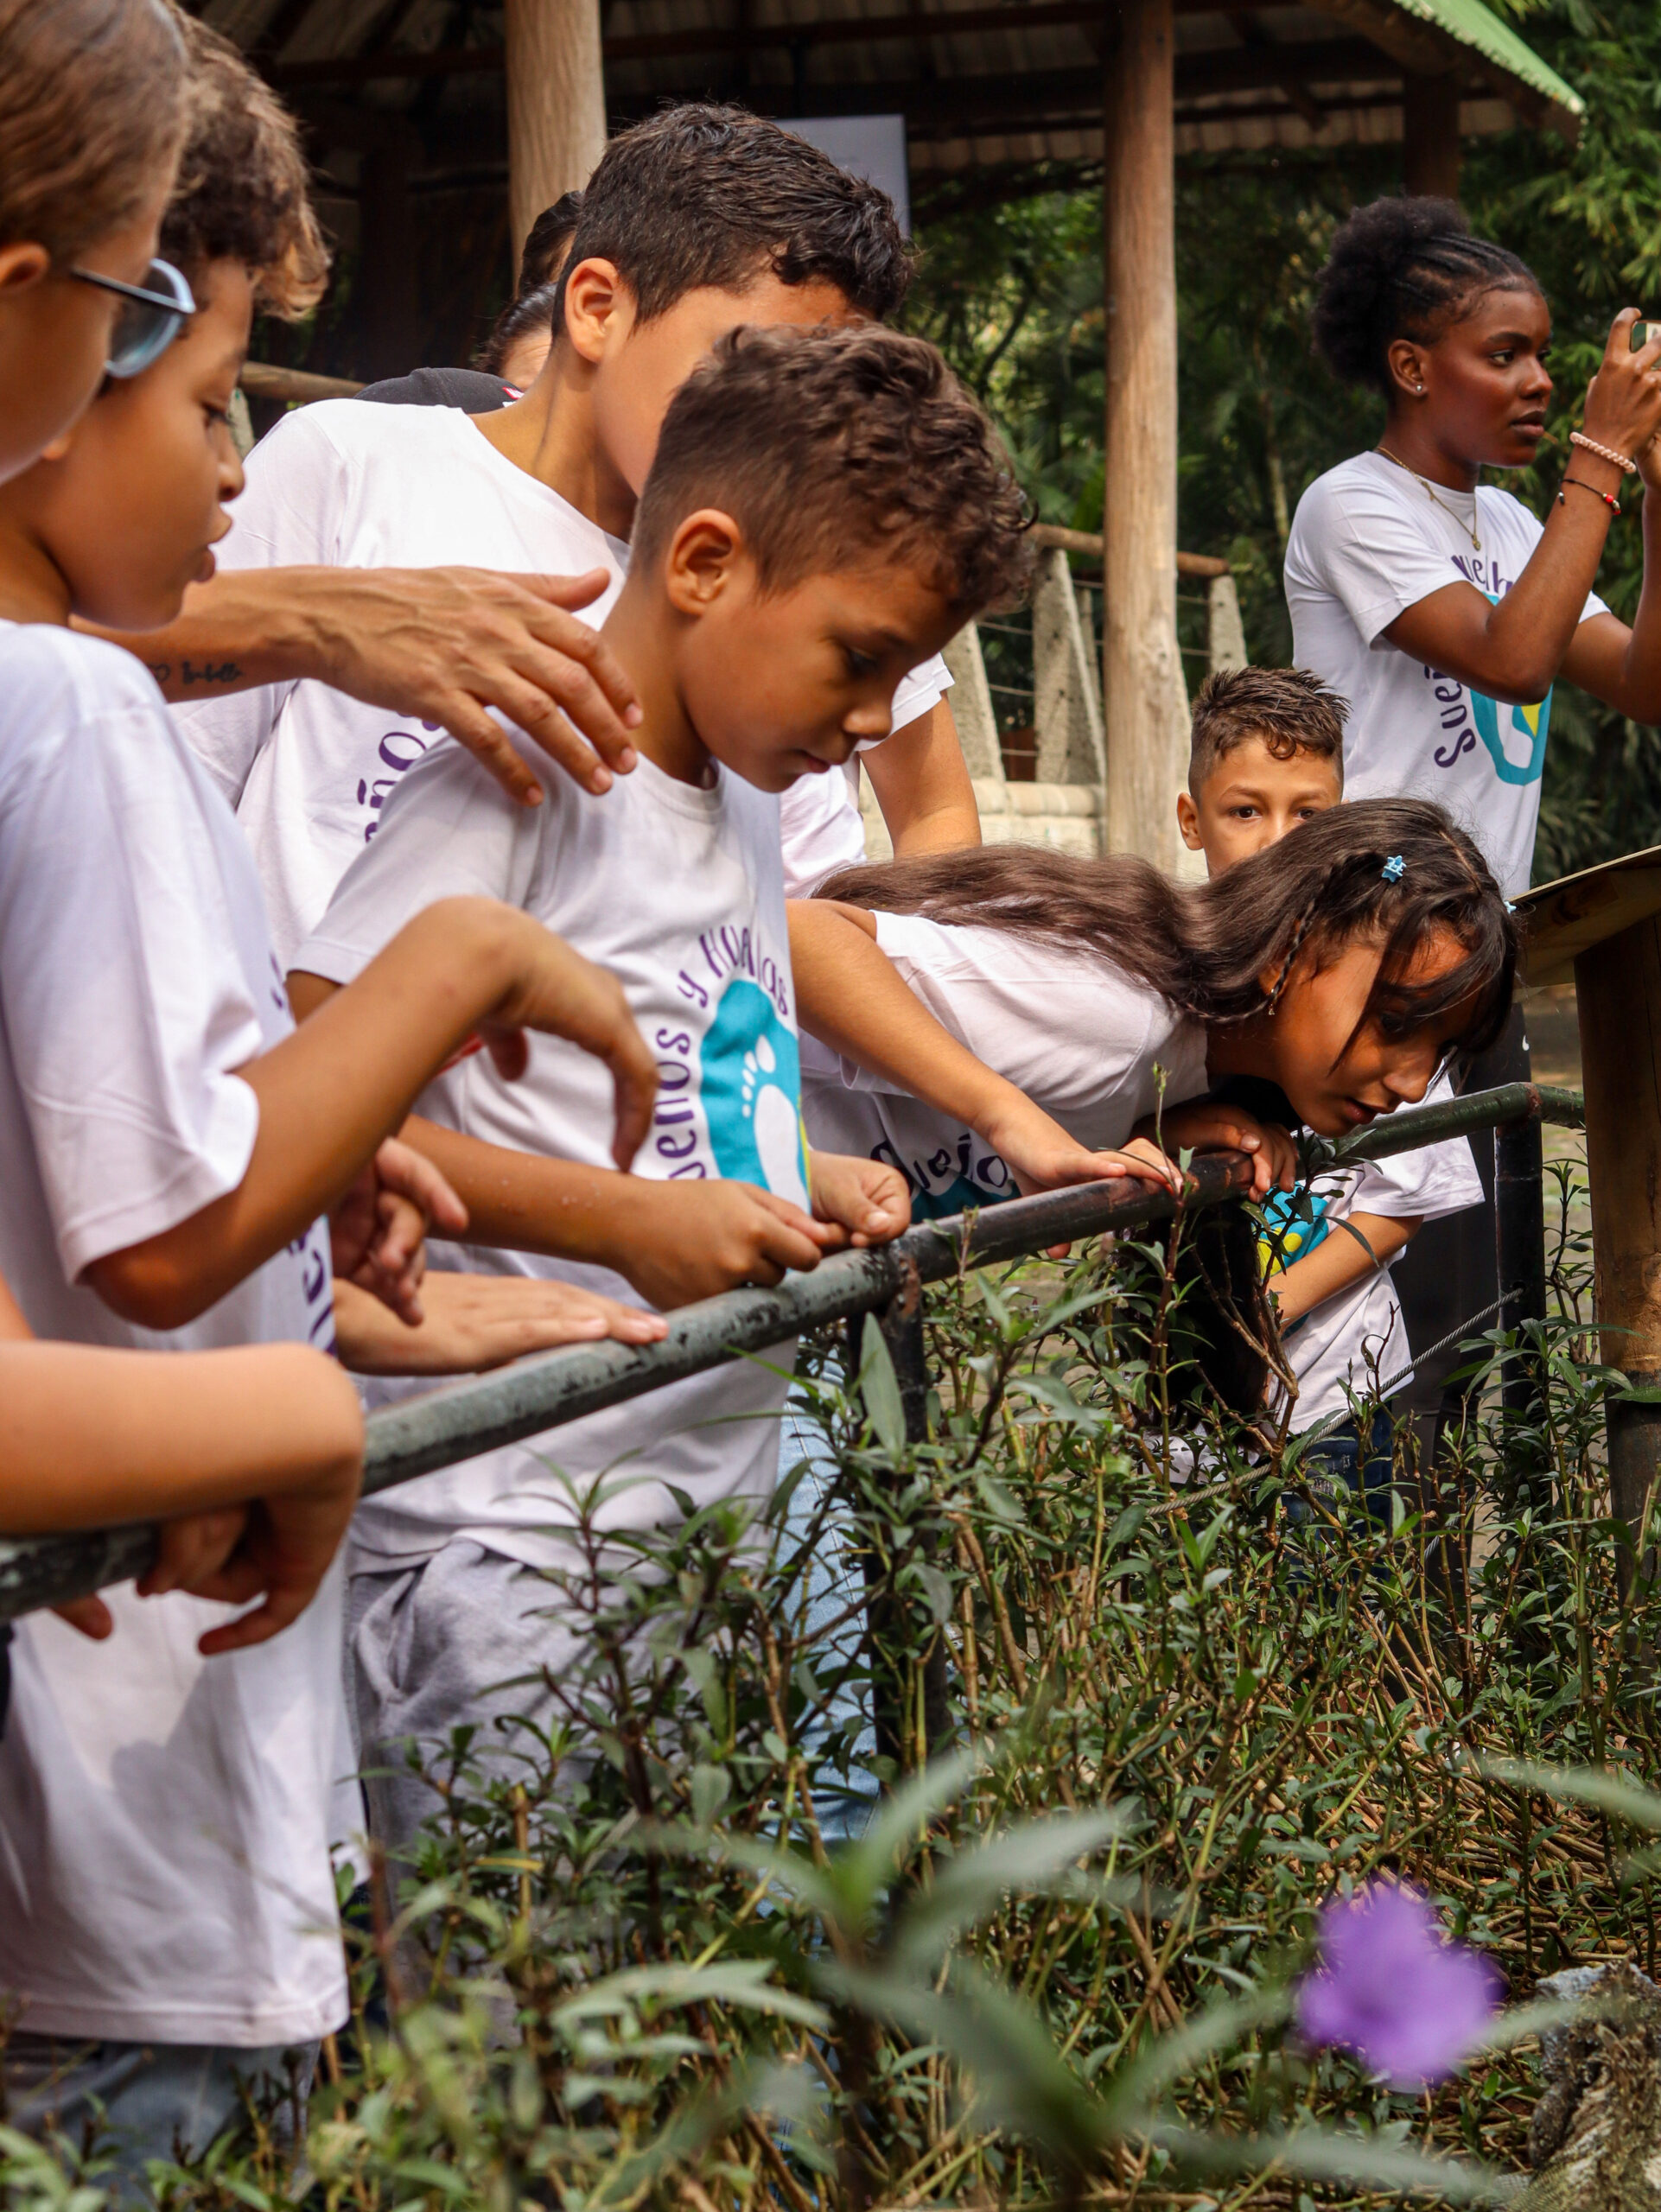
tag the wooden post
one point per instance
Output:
(1065, 711)
(1430, 134)
(1141, 670)
(1618, 986)
(556, 102)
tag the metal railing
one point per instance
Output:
(445, 1425)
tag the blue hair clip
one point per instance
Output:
(1394, 868)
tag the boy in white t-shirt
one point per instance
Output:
(1267, 751)
(697, 222)
(693, 223)
(824, 509)
(167, 1900)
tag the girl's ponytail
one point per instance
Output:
(1223, 951)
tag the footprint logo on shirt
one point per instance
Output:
(1515, 736)
(751, 1085)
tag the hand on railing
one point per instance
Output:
(1204, 1125)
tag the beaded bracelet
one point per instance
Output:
(1608, 498)
(1603, 452)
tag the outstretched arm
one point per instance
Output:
(1515, 648)
(851, 995)
(251, 1460)
(330, 1092)
(439, 645)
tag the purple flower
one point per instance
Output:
(1388, 1988)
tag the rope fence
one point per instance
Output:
(445, 1425)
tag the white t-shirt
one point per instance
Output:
(164, 1829)
(678, 893)
(1367, 543)
(1356, 1340)
(1078, 1036)
(823, 829)
(342, 485)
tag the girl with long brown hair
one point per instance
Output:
(1013, 1018)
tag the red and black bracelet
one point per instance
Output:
(1608, 498)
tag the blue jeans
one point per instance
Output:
(1365, 1471)
(835, 1623)
(128, 2103)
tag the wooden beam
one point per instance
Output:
(556, 102)
(1141, 667)
(1430, 135)
(714, 39)
(389, 322)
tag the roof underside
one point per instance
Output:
(993, 85)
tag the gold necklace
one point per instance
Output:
(1469, 528)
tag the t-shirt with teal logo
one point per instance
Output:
(678, 892)
(1368, 543)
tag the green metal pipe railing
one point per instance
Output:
(444, 1426)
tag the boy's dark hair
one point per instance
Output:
(838, 446)
(1398, 870)
(543, 255)
(242, 194)
(531, 312)
(1402, 268)
(89, 117)
(706, 195)
(1288, 709)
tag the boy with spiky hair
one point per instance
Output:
(1266, 751)
(700, 220)
(826, 508)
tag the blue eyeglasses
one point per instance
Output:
(151, 316)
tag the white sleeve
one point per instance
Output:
(1440, 1179)
(298, 486)
(1358, 542)
(918, 693)
(126, 1006)
(1059, 1029)
(446, 832)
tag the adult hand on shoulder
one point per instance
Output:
(1623, 401)
(474, 1322)
(869, 1201)
(446, 644)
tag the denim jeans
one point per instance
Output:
(1366, 1472)
(834, 1589)
(133, 2102)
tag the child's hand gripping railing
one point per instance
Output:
(437, 1429)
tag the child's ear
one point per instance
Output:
(22, 265)
(595, 295)
(1188, 820)
(703, 556)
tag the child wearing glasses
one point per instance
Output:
(172, 1146)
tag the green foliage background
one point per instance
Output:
(1013, 294)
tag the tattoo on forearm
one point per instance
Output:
(223, 671)
(160, 670)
